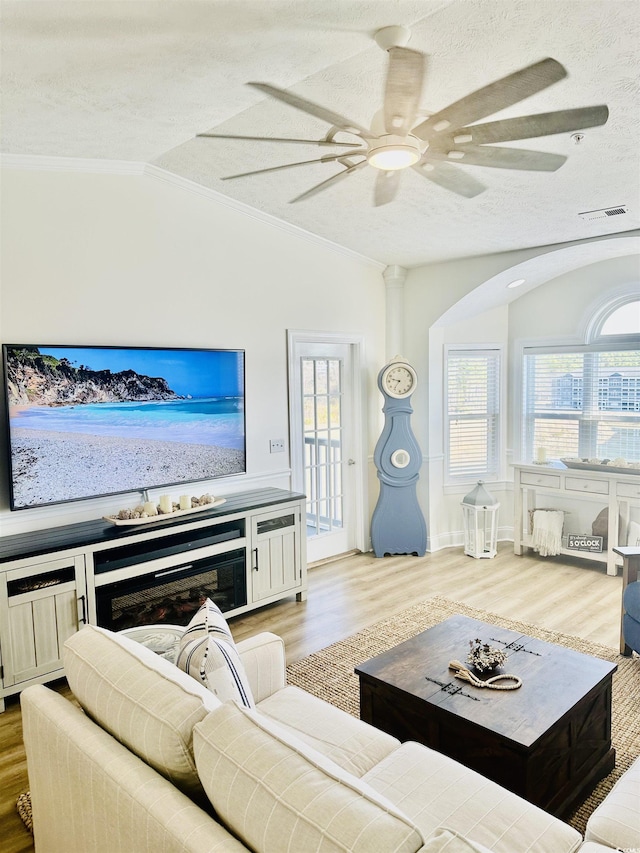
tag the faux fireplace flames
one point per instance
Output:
(173, 595)
(136, 586)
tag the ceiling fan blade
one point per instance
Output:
(450, 178)
(493, 98)
(334, 179)
(386, 187)
(528, 127)
(503, 158)
(313, 109)
(276, 139)
(326, 159)
(403, 89)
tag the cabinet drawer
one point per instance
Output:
(582, 484)
(549, 481)
(628, 490)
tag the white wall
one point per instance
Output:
(134, 260)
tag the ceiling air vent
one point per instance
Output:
(605, 211)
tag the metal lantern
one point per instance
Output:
(480, 518)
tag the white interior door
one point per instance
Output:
(325, 444)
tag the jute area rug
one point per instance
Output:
(329, 675)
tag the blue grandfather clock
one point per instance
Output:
(398, 526)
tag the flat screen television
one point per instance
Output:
(90, 421)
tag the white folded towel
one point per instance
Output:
(547, 531)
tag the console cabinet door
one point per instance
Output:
(40, 607)
(275, 564)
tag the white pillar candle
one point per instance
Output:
(150, 508)
(185, 502)
(542, 454)
(165, 503)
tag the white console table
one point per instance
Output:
(536, 486)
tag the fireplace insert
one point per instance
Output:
(173, 595)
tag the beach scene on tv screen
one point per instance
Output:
(88, 421)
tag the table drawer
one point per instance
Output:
(582, 484)
(628, 490)
(549, 481)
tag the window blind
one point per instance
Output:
(582, 404)
(472, 390)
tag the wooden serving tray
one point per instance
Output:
(165, 516)
(594, 466)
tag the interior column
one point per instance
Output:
(394, 278)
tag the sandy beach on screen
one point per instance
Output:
(53, 466)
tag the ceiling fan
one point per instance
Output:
(400, 137)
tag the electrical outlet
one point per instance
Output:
(276, 445)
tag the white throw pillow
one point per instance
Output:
(208, 653)
(276, 793)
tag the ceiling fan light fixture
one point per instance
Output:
(516, 283)
(455, 155)
(391, 153)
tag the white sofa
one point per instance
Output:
(154, 762)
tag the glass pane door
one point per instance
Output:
(326, 440)
(322, 388)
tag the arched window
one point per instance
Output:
(624, 320)
(584, 401)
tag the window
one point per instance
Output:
(472, 430)
(624, 320)
(585, 401)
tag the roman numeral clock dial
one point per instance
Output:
(398, 525)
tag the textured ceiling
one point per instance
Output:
(136, 81)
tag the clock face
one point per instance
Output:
(399, 380)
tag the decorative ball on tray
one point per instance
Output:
(483, 657)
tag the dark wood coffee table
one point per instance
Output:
(549, 741)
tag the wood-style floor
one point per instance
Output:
(573, 596)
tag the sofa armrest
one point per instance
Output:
(91, 795)
(264, 661)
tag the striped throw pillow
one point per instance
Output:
(208, 653)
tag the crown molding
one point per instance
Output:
(35, 162)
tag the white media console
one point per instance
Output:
(247, 552)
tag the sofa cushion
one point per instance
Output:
(434, 790)
(353, 745)
(141, 699)
(276, 793)
(616, 821)
(446, 840)
(208, 653)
